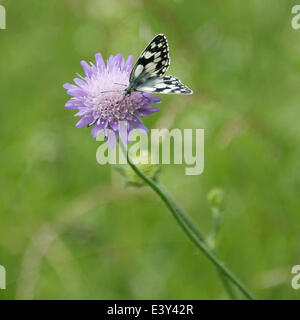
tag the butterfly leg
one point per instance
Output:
(92, 123)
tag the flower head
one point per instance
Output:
(102, 102)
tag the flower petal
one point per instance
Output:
(121, 61)
(86, 68)
(100, 125)
(73, 104)
(110, 138)
(128, 64)
(147, 110)
(155, 99)
(84, 121)
(139, 125)
(110, 63)
(114, 124)
(83, 112)
(96, 129)
(79, 82)
(99, 62)
(124, 131)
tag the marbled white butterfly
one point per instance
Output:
(147, 74)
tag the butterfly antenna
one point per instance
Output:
(110, 91)
(121, 84)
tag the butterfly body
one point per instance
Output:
(147, 74)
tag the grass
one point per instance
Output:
(242, 61)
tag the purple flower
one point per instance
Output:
(102, 103)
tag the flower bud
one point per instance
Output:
(143, 162)
(216, 197)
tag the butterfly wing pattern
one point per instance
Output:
(147, 74)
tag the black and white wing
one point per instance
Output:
(147, 74)
(166, 85)
(153, 62)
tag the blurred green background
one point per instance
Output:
(70, 229)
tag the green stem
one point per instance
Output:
(187, 226)
(212, 245)
(216, 224)
(227, 286)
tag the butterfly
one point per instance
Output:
(147, 74)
